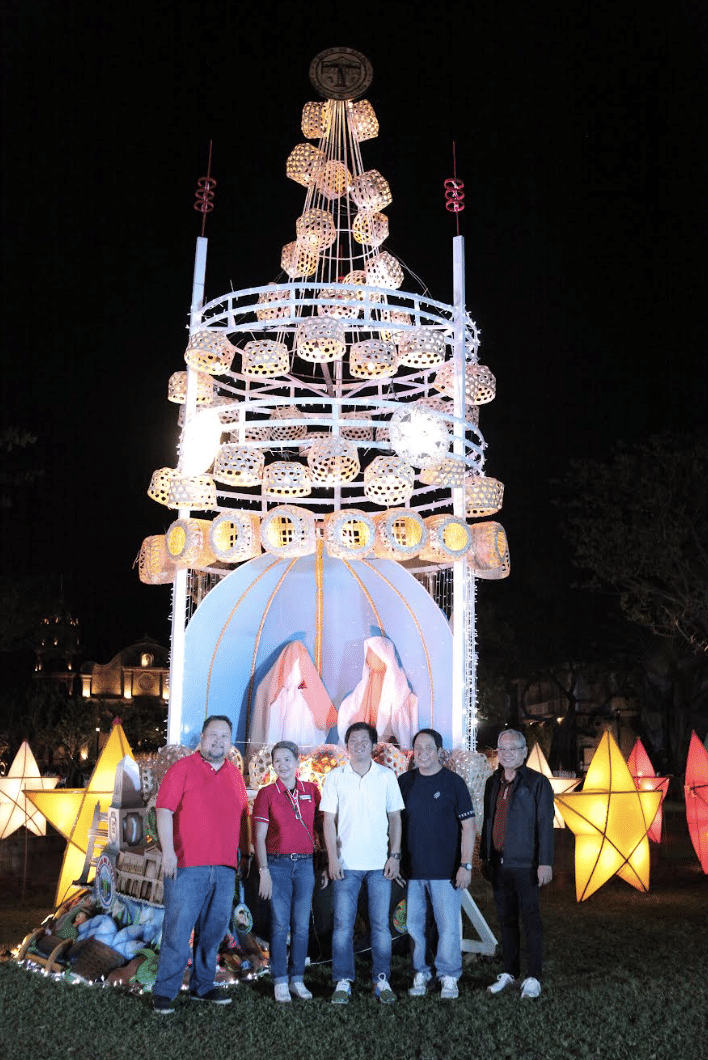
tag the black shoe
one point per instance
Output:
(163, 1005)
(217, 996)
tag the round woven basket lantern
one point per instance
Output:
(362, 432)
(155, 565)
(483, 496)
(235, 536)
(255, 431)
(417, 436)
(159, 488)
(283, 431)
(196, 492)
(333, 180)
(349, 534)
(272, 310)
(393, 316)
(450, 473)
(344, 305)
(384, 271)
(333, 461)
(298, 260)
(316, 228)
(286, 478)
(303, 164)
(388, 480)
(316, 118)
(210, 352)
(311, 437)
(372, 359)
(449, 538)
(480, 384)
(188, 543)
(370, 228)
(362, 120)
(489, 555)
(177, 388)
(288, 531)
(400, 534)
(370, 191)
(238, 465)
(320, 340)
(421, 348)
(265, 358)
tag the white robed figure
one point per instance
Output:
(382, 698)
(291, 703)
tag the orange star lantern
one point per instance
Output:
(15, 809)
(71, 810)
(610, 819)
(538, 761)
(646, 780)
(696, 788)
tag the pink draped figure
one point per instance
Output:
(291, 702)
(382, 698)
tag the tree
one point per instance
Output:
(639, 524)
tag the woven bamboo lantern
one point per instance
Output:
(229, 408)
(177, 388)
(270, 299)
(235, 536)
(159, 488)
(450, 473)
(311, 437)
(400, 534)
(316, 228)
(372, 359)
(344, 304)
(320, 339)
(210, 352)
(370, 191)
(359, 433)
(358, 278)
(298, 260)
(449, 538)
(196, 492)
(288, 531)
(265, 358)
(393, 316)
(349, 534)
(304, 163)
(370, 228)
(286, 478)
(281, 429)
(418, 437)
(333, 180)
(188, 545)
(384, 271)
(362, 120)
(388, 480)
(383, 434)
(483, 496)
(489, 555)
(155, 565)
(333, 461)
(421, 348)
(480, 384)
(316, 118)
(238, 465)
(255, 431)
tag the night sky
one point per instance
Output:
(581, 139)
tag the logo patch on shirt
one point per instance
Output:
(436, 795)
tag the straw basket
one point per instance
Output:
(239, 466)
(316, 228)
(316, 118)
(421, 348)
(370, 228)
(483, 496)
(388, 480)
(384, 271)
(265, 358)
(370, 191)
(177, 388)
(210, 352)
(196, 492)
(188, 543)
(332, 461)
(489, 555)
(363, 122)
(400, 534)
(320, 339)
(159, 488)
(288, 531)
(155, 565)
(298, 259)
(286, 478)
(349, 534)
(372, 359)
(303, 164)
(283, 431)
(235, 536)
(450, 539)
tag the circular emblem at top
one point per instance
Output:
(341, 73)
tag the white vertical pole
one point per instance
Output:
(179, 587)
(459, 581)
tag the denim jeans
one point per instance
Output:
(201, 897)
(446, 902)
(290, 904)
(516, 896)
(345, 900)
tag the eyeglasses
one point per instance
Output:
(516, 747)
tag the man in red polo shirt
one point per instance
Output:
(202, 815)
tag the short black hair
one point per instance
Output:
(429, 732)
(364, 726)
(285, 745)
(216, 717)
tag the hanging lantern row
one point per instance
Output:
(317, 119)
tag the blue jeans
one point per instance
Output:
(201, 897)
(345, 900)
(293, 884)
(446, 902)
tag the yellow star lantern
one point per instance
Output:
(538, 761)
(15, 808)
(71, 810)
(610, 818)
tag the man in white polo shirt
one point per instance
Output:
(362, 804)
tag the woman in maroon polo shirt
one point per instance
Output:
(285, 815)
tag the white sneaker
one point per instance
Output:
(420, 985)
(530, 987)
(503, 981)
(342, 992)
(449, 987)
(281, 992)
(298, 989)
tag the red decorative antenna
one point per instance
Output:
(204, 194)
(454, 193)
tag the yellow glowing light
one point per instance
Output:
(537, 760)
(15, 809)
(70, 810)
(610, 819)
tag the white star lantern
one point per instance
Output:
(16, 810)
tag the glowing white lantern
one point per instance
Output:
(418, 437)
(200, 442)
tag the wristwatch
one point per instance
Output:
(396, 857)
(466, 865)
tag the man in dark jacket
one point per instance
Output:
(517, 850)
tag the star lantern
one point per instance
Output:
(610, 819)
(696, 788)
(70, 810)
(15, 808)
(537, 760)
(646, 780)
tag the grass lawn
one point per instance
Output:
(626, 975)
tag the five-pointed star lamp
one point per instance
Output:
(610, 819)
(696, 788)
(646, 780)
(538, 761)
(15, 808)
(71, 810)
